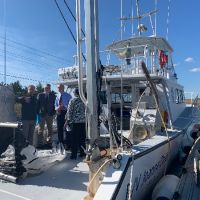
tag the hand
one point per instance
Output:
(59, 109)
(65, 125)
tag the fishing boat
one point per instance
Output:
(137, 119)
(141, 103)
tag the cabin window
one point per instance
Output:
(182, 98)
(179, 96)
(116, 98)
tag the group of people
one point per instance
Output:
(45, 106)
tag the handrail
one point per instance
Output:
(10, 125)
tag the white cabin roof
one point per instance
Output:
(137, 45)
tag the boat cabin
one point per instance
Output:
(125, 91)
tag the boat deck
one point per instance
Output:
(187, 188)
(65, 180)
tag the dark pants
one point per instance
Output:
(60, 125)
(28, 130)
(77, 138)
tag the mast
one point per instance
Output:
(92, 55)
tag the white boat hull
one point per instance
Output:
(150, 162)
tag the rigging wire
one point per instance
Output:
(67, 25)
(73, 15)
(69, 29)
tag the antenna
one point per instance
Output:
(141, 27)
(138, 16)
(121, 17)
(155, 28)
(132, 16)
(168, 15)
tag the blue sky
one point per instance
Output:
(38, 42)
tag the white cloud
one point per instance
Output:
(189, 59)
(196, 69)
(176, 64)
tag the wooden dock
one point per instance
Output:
(187, 188)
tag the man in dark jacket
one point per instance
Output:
(46, 110)
(28, 111)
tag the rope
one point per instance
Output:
(113, 132)
(94, 176)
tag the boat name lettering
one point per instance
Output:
(144, 177)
